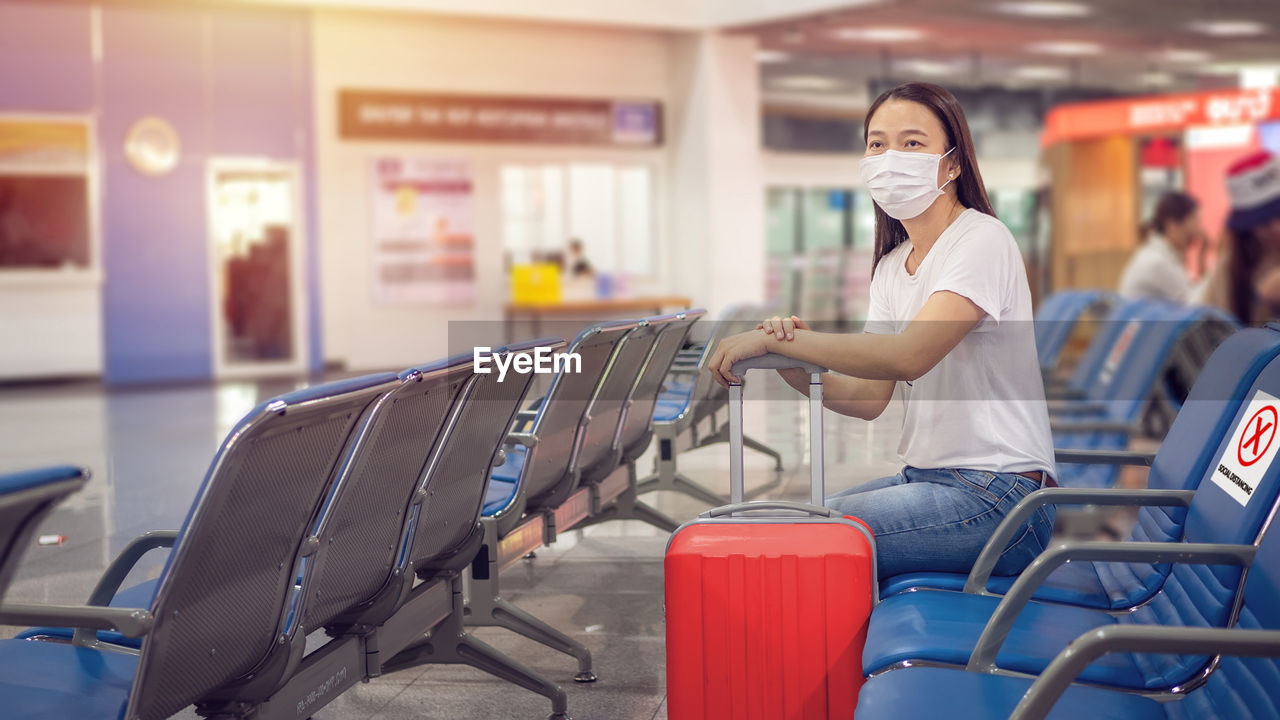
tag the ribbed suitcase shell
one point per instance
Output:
(767, 603)
(766, 621)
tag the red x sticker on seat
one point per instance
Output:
(1253, 445)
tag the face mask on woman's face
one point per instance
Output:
(903, 184)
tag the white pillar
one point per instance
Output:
(717, 199)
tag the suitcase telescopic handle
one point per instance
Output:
(775, 361)
(729, 510)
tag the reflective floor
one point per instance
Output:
(149, 449)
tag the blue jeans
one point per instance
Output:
(939, 520)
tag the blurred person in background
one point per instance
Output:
(948, 333)
(1156, 269)
(1246, 278)
(576, 263)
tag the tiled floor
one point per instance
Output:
(149, 449)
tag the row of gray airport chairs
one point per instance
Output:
(355, 508)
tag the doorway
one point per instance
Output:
(255, 244)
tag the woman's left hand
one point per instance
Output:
(734, 348)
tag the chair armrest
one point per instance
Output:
(1077, 406)
(109, 584)
(1103, 457)
(1090, 426)
(986, 562)
(522, 438)
(1074, 658)
(993, 635)
(130, 622)
(1062, 391)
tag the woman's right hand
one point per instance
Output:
(782, 328)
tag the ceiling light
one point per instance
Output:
(879, 34)
(1229, 28)
(772, 56)
(1041, 72)
(1156, 77)
(926, 67)
(1066, 47)
(805, 82)
(1045, 9)
(1177, 55)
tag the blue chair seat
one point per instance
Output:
(922, 692)
(944, 627)
(683, 386)
(1073, 584)
(1089, 475)
(57, 680)
(669, 407)
(503, 481)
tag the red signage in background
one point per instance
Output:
(1082, 121)
(435, 117)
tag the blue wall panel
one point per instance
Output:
(155, 253)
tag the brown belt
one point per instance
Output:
(1039, 477)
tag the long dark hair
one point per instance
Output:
(969, 188)
(1173, 206)
(1246, 253)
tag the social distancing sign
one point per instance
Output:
(1121, 346)
(1254, 442)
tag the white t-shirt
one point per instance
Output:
(1155, 271)
(982, 406)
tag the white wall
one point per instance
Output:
(434, 54)
(717, 190)
(53, 327)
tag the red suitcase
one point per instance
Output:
(767, 602)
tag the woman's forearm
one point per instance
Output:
(859, 355)
(863, 399)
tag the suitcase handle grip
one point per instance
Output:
(813, 510)
(774, 361)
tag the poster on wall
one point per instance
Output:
(424, 244)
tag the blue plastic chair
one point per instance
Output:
(947, 627)
(1243, 685)
(1056, 319)
(1129, 382)
(1181, 464)
(1086, 373)
(26, 498)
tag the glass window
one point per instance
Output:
(608, 207)
(44, 194)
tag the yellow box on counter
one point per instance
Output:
(535, 284)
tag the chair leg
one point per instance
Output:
(683, 484)
(649, 514)
(449, 643)
(761, 447)
(627, 507)
(487, 609)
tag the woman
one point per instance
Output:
(1246, 279)
(1156, 270)
(950, 328)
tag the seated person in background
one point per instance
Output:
(949, 329)
(1246, 278)
(1156, 269)
(575, 264)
